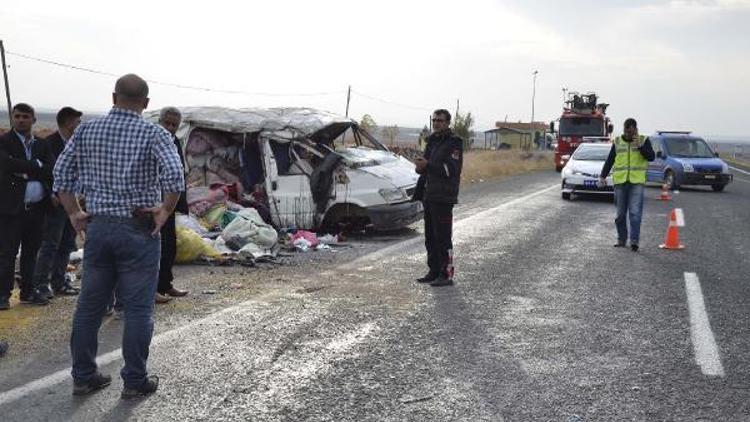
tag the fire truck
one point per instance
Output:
(583, 119)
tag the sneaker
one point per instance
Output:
(148, 387)
(428, 278)
(96, 382)
(34, 298)
(442, 281)
(634, 247)
(4, 303)
(620, 245)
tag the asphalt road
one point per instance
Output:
(547, 321)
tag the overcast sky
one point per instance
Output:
(669, 64)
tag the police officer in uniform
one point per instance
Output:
(437, 188)
(629, 158)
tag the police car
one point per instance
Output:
(581, 173)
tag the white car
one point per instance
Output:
(581, 173)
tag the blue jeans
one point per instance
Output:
(629, 203)
(58, 241)
(121, 257)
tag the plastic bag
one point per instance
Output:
(251, 250)
(227, 218)
(301, 244)
(221, 246)
(329, 239)
(309, 236)
(248, 227)
(191, 223)
(214, 216)
(190, 246)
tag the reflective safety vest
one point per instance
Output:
(630, 165)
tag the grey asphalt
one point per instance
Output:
(547, 321)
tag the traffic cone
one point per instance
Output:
(665, 193)
(672, 240)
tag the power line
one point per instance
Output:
(215, 90)
(390, 102)
(181, 86)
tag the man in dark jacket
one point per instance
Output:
(439, 180)
(25, 184)
(59, 237)
(169, 119)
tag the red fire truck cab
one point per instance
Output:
(583, 120)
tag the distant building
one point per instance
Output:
(515, 135)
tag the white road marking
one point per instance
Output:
(107, 358)
(704, 345)
(739, 170)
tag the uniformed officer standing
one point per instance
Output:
(629, 157)
(437, 188)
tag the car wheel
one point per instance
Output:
(670, 180)
(718, 188)
(566, 196)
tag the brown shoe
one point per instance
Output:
(160, 298)
(177, 293)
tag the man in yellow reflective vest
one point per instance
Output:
(628, 159)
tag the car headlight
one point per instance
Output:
(393, 195)
(565, 157)
(724, 168)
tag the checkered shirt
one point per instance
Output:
(119, 162)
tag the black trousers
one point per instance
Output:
(24, 230)
(438, 237)
(168, 254)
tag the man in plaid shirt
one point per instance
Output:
(125, 167)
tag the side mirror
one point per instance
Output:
(659, 154)
(274, 185)
(552, 127)
(716, 154)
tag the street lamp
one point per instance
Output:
(533, 96)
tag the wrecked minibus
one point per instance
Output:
(315, 170)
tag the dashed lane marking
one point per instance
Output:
(704, 345)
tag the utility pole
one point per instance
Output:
(533, 96)
(7, 89)
(348, 99)
(457, 106)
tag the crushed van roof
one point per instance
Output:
(283, 123)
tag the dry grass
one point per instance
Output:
(38, 133)
(741, 161)
(482, 165)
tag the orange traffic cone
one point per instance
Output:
(672, 240)
(665, 193)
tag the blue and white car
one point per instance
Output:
(684, 159)
(581, 172)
